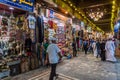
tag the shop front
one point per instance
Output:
(58, 26)
(76, 31)
(17, 37)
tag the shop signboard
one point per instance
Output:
(49, 13)
(26, 5)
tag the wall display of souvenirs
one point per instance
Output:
(60, 33)
(13, 31)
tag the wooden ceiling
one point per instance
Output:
(86, 5)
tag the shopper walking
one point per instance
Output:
(74, 48)
(110, 51)
(81, 43)
(85, 46)
(53, 54)
(102, 55)
(98, 48)
(94, 48)
(90, 45)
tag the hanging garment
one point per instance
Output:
(32, 21)
(40, 25)
(28, 44)
(51, 24)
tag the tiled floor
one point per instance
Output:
(90, 68)
(79, 68)
(45, 76)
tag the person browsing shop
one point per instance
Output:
(85, 46)
(54, 53)
(45, 45)
(74, 48)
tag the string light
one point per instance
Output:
(66, 12)
(81, 14)
(113, 10)
(70, 4)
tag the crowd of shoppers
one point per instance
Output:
(104, 49)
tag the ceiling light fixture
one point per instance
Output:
(73, 17)
(96, 14)
(78, 10)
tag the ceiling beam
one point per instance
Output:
(96, 5)
(105, 28)
(89, 4)
(103, 24)
(103, 20)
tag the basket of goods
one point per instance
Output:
(24, 63)
(20, 22)
(12, 34)
(4, 69)
(4, 28)
(4, 33)
(11, 39)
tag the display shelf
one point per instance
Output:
(13, 62)
(4, 74)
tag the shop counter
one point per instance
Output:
(14, 67)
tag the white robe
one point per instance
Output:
(110, 51)
(94, 49)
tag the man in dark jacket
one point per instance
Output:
(85, 46)
(98, 48)
(74, 48)
(102, 46)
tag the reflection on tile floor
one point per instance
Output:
(45, 76)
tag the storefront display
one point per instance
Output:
(117, 34)
(40, 26)
(61, 33)
(16, 56)
(57, 25)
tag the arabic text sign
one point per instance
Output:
(26, 5)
